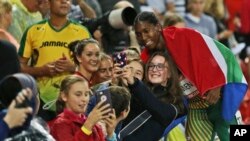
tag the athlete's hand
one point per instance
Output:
(213, 96)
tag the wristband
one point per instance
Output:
(85, 130)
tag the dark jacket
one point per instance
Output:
(162, 114)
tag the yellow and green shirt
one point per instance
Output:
(43, 44)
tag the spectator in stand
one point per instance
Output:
(46, 45)
(5, 22)
(196, 19)
(86, 56)
(105, 70)
(81, 9)
(180, 7)
(161, 7)
(158, 77)
(96, 6)
(173, 19)
(14, 117)
(44, 8)
(24, 14)
(24, 85)
(216, 9)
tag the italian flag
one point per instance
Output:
(207, 64)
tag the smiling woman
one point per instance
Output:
(86, 55)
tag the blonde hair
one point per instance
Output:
(131, 54)
(5, 6)
(215, 8)
(170, 19)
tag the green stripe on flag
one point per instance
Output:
(234, 73)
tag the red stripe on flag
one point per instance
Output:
(193, 57)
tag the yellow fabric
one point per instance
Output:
(176, 134)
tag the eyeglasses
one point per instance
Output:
(158, 67)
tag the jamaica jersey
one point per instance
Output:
(43, 44)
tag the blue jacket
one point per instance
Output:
(4, 129)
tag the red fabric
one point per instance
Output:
(67, 127)
(233, 7)
(194, 59)
(245, 17)
(90, 82)
(145, 55)
(244, 108)
(245, 105)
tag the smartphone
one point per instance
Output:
(120, 58)
(104, 95)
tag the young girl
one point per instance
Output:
(71, 124)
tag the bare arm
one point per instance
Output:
(45, 70)
(49, 69)
(3, 36)
(86, 9)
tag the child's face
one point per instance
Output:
(78, 97)
(158, 72)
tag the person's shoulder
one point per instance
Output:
(79, 28)
(207, 17)
(61, 119)
(77, 24)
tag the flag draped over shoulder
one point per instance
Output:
(207, 64)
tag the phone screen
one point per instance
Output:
(120, 58)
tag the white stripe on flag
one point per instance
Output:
(216, 54)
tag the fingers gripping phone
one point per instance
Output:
(23, 104)
(104, 95)
(120, 58)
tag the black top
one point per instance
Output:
(162, 114)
